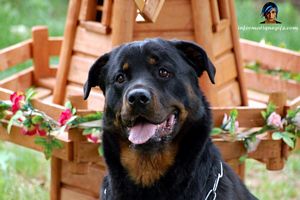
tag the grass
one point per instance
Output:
(24, 174)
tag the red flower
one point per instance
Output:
(92, 138)
(17, 99)
(65, 116)
(34, 130)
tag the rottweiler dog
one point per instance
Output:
(157, 123)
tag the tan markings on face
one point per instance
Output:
(152, 61)
(125, 66)
(146, 168)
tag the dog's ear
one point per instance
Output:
(196, 57)
(96, 77)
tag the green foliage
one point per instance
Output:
(49, 144)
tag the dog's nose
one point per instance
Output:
(138, 97)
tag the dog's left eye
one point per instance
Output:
(164, 73)
(120, 78)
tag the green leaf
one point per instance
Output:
(40, 141)
(68, 104)
(270, 108)
(243, 158)
(87, 131)
(216, 131)
(233, 113)
(13, 119)
(277, 136)
(290, 135)
(37, 119)
(4, 106)
(264, 115)
(29, 94)
(100, 150)
(73, 111)
(288, 141)
(57, 144)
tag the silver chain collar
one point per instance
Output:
(213, 191)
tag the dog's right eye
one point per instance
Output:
(120, 78)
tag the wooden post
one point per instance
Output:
(279, 99)
(55, 186)
(204, 37)
(66, 51)
(124, 13)
(40, 51)
(237, 52)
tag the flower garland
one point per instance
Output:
(287, 129)
(33, 122)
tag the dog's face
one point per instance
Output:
(151, 89)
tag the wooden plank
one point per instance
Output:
(271, 84)
(93, 178)
(42, 92)
(66, 51)
(229, 94)
(248, 117)
(204, 37)
(152, 9)
(16, 137)
(15, 54)
(91, 43)
(222, 42)
(270, 56)
(124, 13)
(55, 178)
(79, 69)
(168, 20)
(88, 10)
(107, 13)
(20, 81)
(95, 101)
(93, 26)
(182, 35)
(55, 44)
(40, 51)
(258, 96)
(225, 69)
(236, 50)
(72, 193)
(86, 152)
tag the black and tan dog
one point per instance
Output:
(157, 124)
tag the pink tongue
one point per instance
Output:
(141, 133)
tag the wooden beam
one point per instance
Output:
(15, 54)
(66, 51)
(40, 50)
(55, 45)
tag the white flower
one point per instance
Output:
(296, 120)
(274, 120)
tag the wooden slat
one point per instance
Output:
(182, 35)
(95, 101)
(267, 84)
(91, 43)
(42, 92)
(66, 51)
(40, 51)
(258, 96)
(226, 69)
(15, 54)
(96, 27)
(48, 83)
(16, 137)
(55, 178)
(72, 193)
(107, 13)
(122, 22)
(229, 95)
(55, 45)
(237, 51)
(90, 182)
(152, 9)
(19, 81)
(248, 116)
(88, 10)
(175, 15)
(86, 152)
(222, 42)
(270, 56)
(79, 69)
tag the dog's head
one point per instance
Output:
(151, 89)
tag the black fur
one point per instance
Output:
(197, 162)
